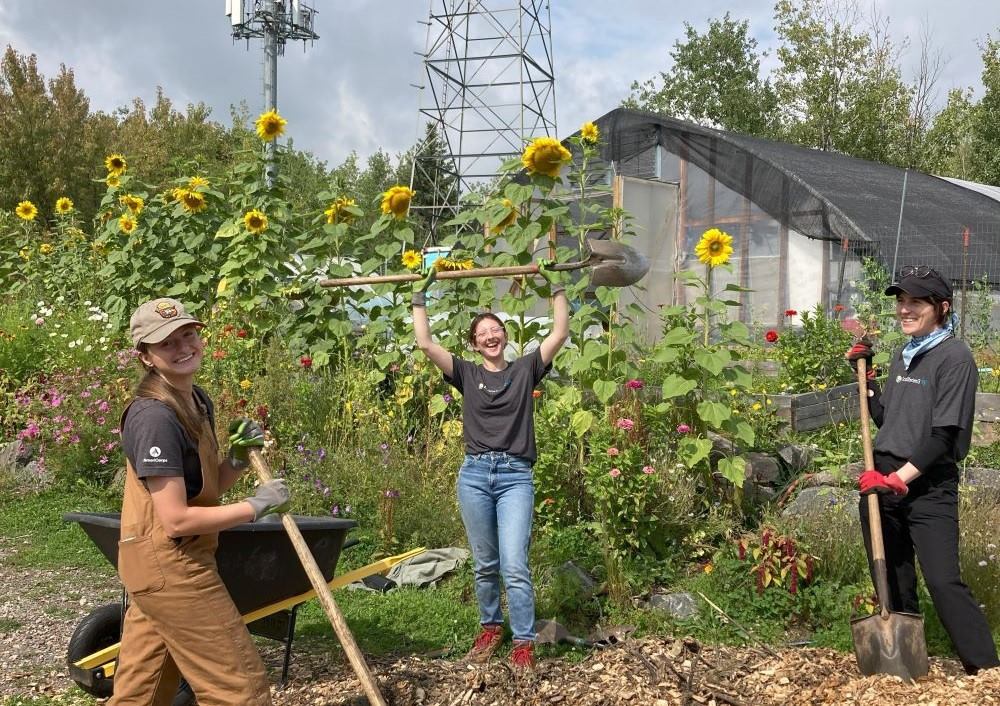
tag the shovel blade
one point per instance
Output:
(615, 265)
(891, 645)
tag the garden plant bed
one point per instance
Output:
(812, 410)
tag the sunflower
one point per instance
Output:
(444, 264)
(507, 220)
(192, 201)
(197, 182)
(270, 125)
(64, 205)
(26, 211)
(113, 181)
(590, 134)
(45, 248)
(412, 259)
(126, 224)
(545, 155)
(397, 201)
(338, 213)
(132, 202)
(255, 221)
(115, 164)
(715, 247)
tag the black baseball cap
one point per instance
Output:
(920, 281)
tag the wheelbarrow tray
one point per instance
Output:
(257, 562)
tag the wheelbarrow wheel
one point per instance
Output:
(99, 629)
(102, 628)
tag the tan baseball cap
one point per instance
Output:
(157, 319)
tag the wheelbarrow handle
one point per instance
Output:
(323, 593)
(874, 517)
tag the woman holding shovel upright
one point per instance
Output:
(924, 416)
(495, 484)
(181, 619)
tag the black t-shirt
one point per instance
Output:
(496, 406)
(939, 390)
(156, 444)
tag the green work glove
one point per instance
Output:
(421, 286)
(244, 434)
(270, 497)
(553, 277)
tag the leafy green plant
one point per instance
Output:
(812, 356)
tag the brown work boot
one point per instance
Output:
(522, 657)
(486, 644)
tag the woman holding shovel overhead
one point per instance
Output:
(925, 416)
(181, 619)
(495, 483)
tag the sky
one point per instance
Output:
(351, 91)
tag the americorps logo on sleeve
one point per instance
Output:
(154, 455)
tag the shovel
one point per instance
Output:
(886, 642)
(612, 265)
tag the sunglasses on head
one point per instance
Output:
(916, 271)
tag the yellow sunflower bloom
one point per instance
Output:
(197, 182)
(45, 248)
(507, 220)
(338, 213)
(113, 181)
(715, 247)
(192, 201)
(126, 224)
(245, 384)
(25, 253)
(590, 134)
(26, 211)
(545, 155)
(255, 221)
(64, 205)
(270, 125)
(115, 164)
(412, 259)
(444, 264)
(397, 201)
(133, 203)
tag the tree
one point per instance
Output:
(985, 124)
(715, 80)
(948, 147)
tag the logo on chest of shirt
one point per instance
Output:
(484, 388)
(915, 381)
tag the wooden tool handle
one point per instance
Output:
(447, 274)
(312, 570)
(874, 518)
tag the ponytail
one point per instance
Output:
(154, 386)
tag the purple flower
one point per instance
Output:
(384, 446)
(321, 454)
(447, 398)
(335, 510)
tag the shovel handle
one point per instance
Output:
(447, 274)
(323, 593)
(874, 517)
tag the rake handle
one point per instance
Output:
(874, 517)
(511, 271)
(323, 593)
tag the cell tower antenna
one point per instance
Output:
(488, 87)
(276, 22)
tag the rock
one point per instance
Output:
(815, 480)
(796, 458)
(762, 469)
(986, 480)
(754, 495)
(817, 501)
(681, 606)
(851, 471)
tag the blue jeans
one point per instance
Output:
(496, 495)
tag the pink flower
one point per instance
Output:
(614, 473)
(29, 432)
(39, 321)
(683, 428)
(648, 470)
(103, 460)
(103, 406)
(613, 451)
(625, 424)
(635, 384)
(100, 420)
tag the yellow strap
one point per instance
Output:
(108, 654)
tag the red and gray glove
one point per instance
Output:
(875, 482)
(862, 350)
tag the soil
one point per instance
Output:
(40, 609)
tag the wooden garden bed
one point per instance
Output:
(812, 410)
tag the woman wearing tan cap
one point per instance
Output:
(180, 618)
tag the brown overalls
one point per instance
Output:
(181, 619)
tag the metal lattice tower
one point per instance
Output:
(276, 22)
(489, 87)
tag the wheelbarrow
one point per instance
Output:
(259, 568)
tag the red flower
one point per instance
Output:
(218, 354)
(262, 412)
(791, 312)
(742, 550)
(838, 307)
(242, 333)
(241, 403)
(536, 393)
(771, 336)
(305, 361)
(228, 328)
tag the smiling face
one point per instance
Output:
(489, 338)
(178, 356)
(918, 317)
